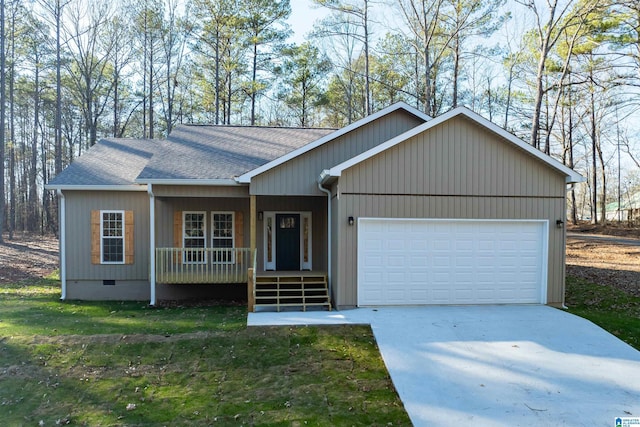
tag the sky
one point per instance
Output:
(303, 15)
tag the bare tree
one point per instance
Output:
(550, 25)
(173, 48)
(350, 15)
(2, 115)
(92, 84)
(425, 21)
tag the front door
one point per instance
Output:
(288, 241)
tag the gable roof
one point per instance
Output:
(246, 177)
(112, 163)
(571, 175)
(215, 155)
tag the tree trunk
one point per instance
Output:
(603, 193)
(456, 70)
(367, 89)
(254, 84)
(594, 164)
(58, 122)
(217, 83)
(151, 89)
(11, 223)
(33, 171)
(2, 115)
(574, 209)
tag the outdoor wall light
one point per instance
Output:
(260, 215)
(350, 220)
(559, 223)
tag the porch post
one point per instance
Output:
(252, 244)
(252, 222)
(152, 246)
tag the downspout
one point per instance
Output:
(152, 245)
(328, 193)
(63, 244)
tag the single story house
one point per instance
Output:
(628, 209)
(395, 209)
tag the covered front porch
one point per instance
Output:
(202, 242)
(266, 290)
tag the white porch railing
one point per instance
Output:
(202, 265)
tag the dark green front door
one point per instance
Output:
(287, 241)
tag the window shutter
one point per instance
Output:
(239, 230)
(238, 234)
(95, 237)
(177, 229)
(177, 233)
(128, 237)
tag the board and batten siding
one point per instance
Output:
(85, 279)
(200, 191)
(166, 208)
(455, 158)
(298, 176)
(456, 171)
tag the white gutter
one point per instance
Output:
(152, 245)
(62, 214)
(219, 182)
(97, 187)
(328, 193)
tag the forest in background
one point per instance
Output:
(562, 75)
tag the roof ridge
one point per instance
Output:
(255, 126)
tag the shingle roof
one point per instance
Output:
(109, 162)
(196, 152)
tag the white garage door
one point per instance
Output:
(423, 261)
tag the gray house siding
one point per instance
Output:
(298, 176)
(165, 208)
(84, 279)
(200, 191)
(456, 170)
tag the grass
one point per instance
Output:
(117, 364)
(123, 363)
(608, 307)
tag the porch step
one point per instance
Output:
(288, 291)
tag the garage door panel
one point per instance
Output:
(451, 261)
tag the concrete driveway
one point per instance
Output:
(496, 365)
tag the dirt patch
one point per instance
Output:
(605, 263)
(609, 229)
(123, 339)
(27, 257)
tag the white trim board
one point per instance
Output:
(571, 175)
(246, 178)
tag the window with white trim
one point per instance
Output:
(222, 226)
(194, 233)
(112, 237)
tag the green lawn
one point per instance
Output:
(108, 364)
(610, 308)
(117, 364)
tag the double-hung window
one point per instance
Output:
(222, 237)
(194, 237)
(112, 237)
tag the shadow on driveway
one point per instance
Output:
(522, 365)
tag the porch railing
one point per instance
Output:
(202, 265)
